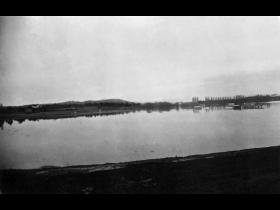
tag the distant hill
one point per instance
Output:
(81, 103)
(119, 101)
(111, 101)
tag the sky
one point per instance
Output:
(55, 59)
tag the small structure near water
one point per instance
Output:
(237, 107)
(255, 105)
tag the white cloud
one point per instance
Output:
(136, 58)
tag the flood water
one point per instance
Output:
(136, 136)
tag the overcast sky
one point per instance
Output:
(53, 59)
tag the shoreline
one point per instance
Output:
(62, 114)
(254, 170)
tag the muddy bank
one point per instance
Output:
(245, 171)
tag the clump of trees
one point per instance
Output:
(239, 99)
(159, 106)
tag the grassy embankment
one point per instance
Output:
(245, 171)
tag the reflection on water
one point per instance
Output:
(129, 136)
(10, 121)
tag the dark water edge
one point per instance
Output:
(245, 171)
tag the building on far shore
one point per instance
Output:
(35, 106)
(239, 97)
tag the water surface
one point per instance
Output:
(136, 136)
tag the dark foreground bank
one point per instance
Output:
(245, 171)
